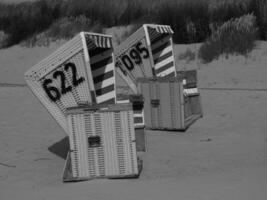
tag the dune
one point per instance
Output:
(221, 156)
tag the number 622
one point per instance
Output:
(54, 93)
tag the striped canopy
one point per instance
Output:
(162, 50)
(159, 29)
(98, 40)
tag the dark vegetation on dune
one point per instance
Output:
(191, 20)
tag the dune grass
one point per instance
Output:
(190, 19)
(236, 36)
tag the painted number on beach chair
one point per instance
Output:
(134, 56)
(54, 93)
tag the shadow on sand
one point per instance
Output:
(60, 148)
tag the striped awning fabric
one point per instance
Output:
(157, 31)
(161, 29)
(98, 40)
(164, 29)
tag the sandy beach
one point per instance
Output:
(221, 156)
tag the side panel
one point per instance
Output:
(176, 105)
(191, 96)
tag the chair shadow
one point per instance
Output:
(60, 148)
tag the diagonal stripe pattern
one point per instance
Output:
(98, 40)
(102, 66)
(161, 47)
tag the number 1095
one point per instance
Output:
(135, 56)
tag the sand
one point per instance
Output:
(221, 156)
